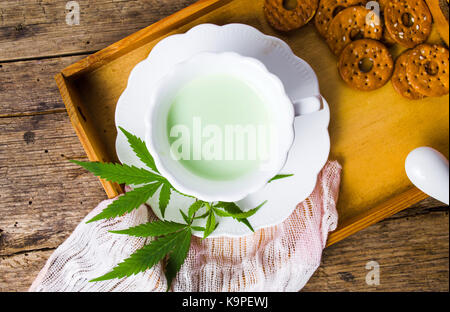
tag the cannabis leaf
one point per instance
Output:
(233, 210)
(196, 206)
(210, 225)
(122, 174)
(128, 202)
(164, 198)
(145, 258)
(177, 257)
(174, 240)
(185, 217)
(140, 149)
(131, 175)
(198, 228)
(280, 176)
(152, 229)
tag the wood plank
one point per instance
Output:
(33, 29)
(20, 270)
(146, 36)
(390, 207)
(27, 87)
(43, 196)
(86, 123)
(411, 248)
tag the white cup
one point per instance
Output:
(276, 103)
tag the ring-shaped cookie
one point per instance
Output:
(354, 69)
(409, 22)
(399, 80)
(352, 24)
(284, 19)
(328, 9)
(428, 70)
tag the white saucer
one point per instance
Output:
(311, 147)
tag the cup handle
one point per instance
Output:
(308, 105)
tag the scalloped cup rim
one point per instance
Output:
(284, 141)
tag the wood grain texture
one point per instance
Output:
(31, 29)
(411, 249)
(28, 87)
(43, 197)
(83, 122)
(149, 35)
(384, 210)
(18, 271)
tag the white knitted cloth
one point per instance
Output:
(281, 258)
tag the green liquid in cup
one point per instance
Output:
(224, 102)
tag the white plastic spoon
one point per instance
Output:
(429, 171)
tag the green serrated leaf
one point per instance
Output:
(235, 212)
(198, 228)
(210, 225)
(247, 223)
(190, 196)
(202, 216)
(140, 149)
(145, 258)
(128, 202)
(222, 213)
(280, 176)
(152, 229)
(196, 206)
(185, 217)
(164, 198)
(177, 257)
(120, 173)
(249, 213)
(231, 208)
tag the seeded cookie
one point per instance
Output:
(428, 70)
(328, 9)
(400, 81)
(349, 25)
(386, 38)
(409, 22)
(284, 17)
(365, 64)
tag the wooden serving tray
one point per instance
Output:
(371, 132)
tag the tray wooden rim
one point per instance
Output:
(93, 149)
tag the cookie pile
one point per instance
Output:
(422, 71)
(359, 35)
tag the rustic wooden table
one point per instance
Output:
(43, 196)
